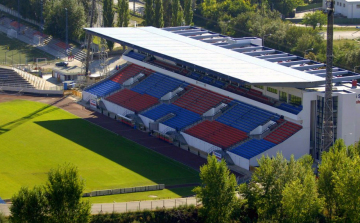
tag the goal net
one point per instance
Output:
(11, 33)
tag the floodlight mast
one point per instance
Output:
(328, 128)
(89, 39)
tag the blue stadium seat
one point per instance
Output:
(194, 75)
(207, 80)
(136, 56)
(157, 85)
(104, 88)
(246, 117)
(182, 117)
(252, 148)
(290, 108)
(219, 84)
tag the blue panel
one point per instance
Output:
(157, 85)
(136, 56)
(104, 88)
(182, 117)
(252, 148)
(290, 108)
(246, 117)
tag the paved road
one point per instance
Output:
(128, 206)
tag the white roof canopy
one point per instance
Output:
(207, 56)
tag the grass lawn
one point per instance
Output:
(19, 51)
(137, 19)
(36, 137)
(343, 41)
(141, 196)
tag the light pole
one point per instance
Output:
(307, 50)
(67, 41)
(263, 39)
(19, 17)
(355, 68)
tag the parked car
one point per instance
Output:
(62, 64)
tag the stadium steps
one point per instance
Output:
(79, 55)
(217, 134)
(283, 132)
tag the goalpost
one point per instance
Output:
(41, 62)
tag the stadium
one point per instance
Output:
(207, 92)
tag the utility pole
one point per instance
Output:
(328, 130)
(89, 39)
(41, 15)
(67, 40)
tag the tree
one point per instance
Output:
(58, 201)
(55, 18)
(177, 13)
(159, 14)
(217, 191)
(149, 12)
(285, 7)
(272, 191)
(108, 18)
(188, 12)
(29, 205)
(167, 13)
(63, 191)
(123, 13)
(312, 19)
(339, 176)
(300, 201)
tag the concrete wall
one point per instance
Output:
(124, 190)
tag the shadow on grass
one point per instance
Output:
(127, 154)
(41, 111)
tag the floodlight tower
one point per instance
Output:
(19, 16)
(89, 39)
(328, 130)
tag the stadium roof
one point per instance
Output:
(217, 54)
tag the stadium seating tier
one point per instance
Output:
(246, 117)
(181, 119)
(200, 100)
(104, 88)
(252, 148)
(217, 133)
(157, 85)
(132, 100)
(283, 132)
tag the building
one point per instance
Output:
(209, 92)
(347, 8)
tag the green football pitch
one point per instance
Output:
(35, 137)
(13, 51)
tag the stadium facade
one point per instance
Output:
(208, 92)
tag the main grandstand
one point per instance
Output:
(208, 92)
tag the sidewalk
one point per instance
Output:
(128, 206)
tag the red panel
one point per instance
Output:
(132, 100)
(200, 100)
(130, 71)
(217, 133)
